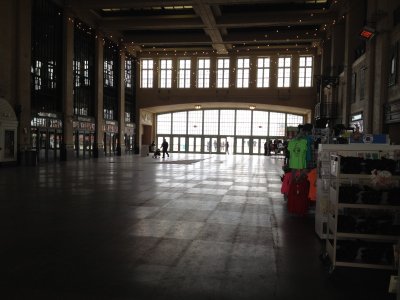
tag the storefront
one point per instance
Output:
(8, 133)
(46, 136)
(84, 132)
(129, 137)
(110, 137)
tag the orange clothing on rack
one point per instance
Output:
(312, 178)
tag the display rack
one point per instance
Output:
(324, 174)
(346, 247)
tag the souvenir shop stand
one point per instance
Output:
(358, 204)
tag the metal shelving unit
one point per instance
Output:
(336, 208)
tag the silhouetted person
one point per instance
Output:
(164, 147)
(227, 147)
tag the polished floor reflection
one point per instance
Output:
(186, 227)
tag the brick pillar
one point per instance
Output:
(67, 145)
(98, 145)
(121, 104)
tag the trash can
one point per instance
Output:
(31, 157)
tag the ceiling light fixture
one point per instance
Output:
(197, 106)
(252, 107)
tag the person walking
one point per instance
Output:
(227, 147)
(164, 147)
(266, 148)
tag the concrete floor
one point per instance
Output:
(187, 227)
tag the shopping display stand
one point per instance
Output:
(339, 206)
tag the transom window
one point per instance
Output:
(277, 124)
(305, 71)
(164, 124)
(109, 73)
(243, 122)
(293, 120)
(227, 122)
(222, 72)
(179, 122)
(260, 123)
(203, 73)
(184, 73)
(211, 122)
(166, 73)
(284, 64)
(243, 72)
(195, 122)
(128, 73)
(37, 75)
(263, 71)
(147, 67)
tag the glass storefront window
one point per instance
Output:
(179, 122)
(164, 124)
(195, 122)
(243, 122)
(277, 124)
(227, 122)
(211, 122)
(208, 130)
(294, 120)
(260, 123)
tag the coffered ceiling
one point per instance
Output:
(218, 25)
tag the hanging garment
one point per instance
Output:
(312, 178)
(298, 196)
(287, 177)
(297, 149)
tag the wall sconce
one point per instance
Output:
(197, 106)
(252, 107)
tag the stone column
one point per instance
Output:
(23, 75)
(121, 104)
(325, 68)
(67, 145)
(380, 82)
(98, 145)
(383, 10)
(354, 22)
(369, 86)
(337, 49)
(335, 67)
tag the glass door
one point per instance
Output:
(81, 146)
(179, 144)
(51, 155)
(42, 145)
(211, 145)
(194, 144)
(226, 145)
(58, 139)
(239, 146)
(88, 146)
(222, 145)
(246, 145)
(258, 146)
(243, 145)
(107, 143)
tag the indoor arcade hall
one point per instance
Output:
(192, 226)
